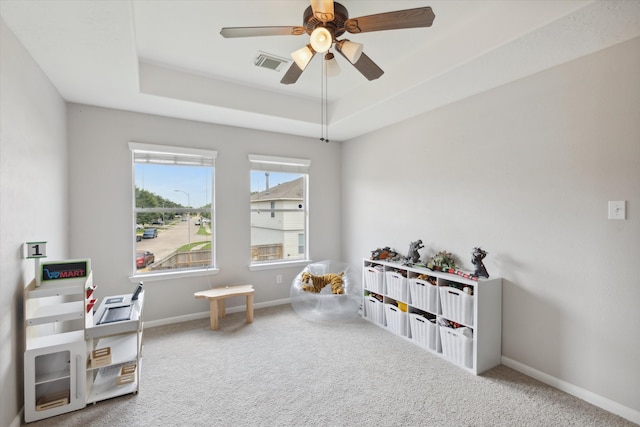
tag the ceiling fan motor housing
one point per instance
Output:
(336, 27)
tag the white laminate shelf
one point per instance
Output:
(105, 387)
(52, 376)
(124, 348)
(55, 289)
(56, 313)
(54, 340)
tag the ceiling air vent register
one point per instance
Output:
(272, 62)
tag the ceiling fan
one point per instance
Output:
(324, 21)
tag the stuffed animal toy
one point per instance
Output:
(313, 283)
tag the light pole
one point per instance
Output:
(188, 223)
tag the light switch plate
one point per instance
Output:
(617, 210)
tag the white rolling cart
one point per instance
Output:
(114, 348)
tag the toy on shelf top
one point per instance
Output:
(386, 254)
(441, 261)
(478, 255)
(413, 257)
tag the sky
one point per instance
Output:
(259, 180)
(163, 180)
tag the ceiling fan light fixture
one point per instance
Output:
(333, 68)
(327, 20)
(321, 39)
(303, 56)
(351, 50)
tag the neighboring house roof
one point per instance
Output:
(292, 190)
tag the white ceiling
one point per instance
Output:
(167, 57)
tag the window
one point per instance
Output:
(174, 208)
(278, 203)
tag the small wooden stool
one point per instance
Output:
(216, 298)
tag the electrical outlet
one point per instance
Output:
(279, 278)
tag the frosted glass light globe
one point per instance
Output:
(302, 57)
(321, 39)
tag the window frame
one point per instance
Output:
(176, 155)
(275, 164)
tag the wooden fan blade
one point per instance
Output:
(232, 32)
(366, 66)
(408, 18)
(323, 10)
(292, 75)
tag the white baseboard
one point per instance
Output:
(586, 395)
(205, 314)
(17, 421)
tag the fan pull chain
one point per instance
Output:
(324, 126)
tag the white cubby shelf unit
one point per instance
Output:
(450, 315)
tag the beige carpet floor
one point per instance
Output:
(283, 370)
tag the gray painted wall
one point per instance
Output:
(525, 171)
(33, 197)
(101, 202)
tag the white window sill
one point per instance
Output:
(279, 264)
(170, 275)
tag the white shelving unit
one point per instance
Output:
(61, 335)
(55, 348)
(416, 303)
(124, 341)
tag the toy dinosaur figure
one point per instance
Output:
(478, 255)
(414, 256)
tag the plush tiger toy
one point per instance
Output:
(313, 283)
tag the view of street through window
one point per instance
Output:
(174, 235)
(173, 214)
